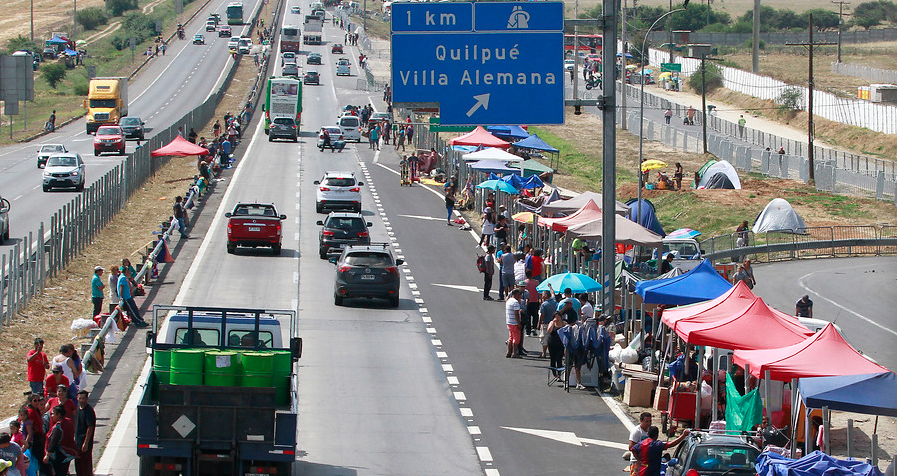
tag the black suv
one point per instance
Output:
(342, 229)
(283, 128)
(369, 271)
(714, 454)
(132, 127)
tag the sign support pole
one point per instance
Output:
(608, 152)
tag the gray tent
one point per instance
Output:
(577, 202)
(719, 180)
(778, 215)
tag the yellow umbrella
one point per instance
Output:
(664, 75)
(523, 217)
(632, 67)
(653, 164)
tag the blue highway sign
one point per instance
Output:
(484, 63)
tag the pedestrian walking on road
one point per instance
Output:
(85, 427)
(96, 291)
(649, 452)
(512, 319)
(488, 271)
(488, 227)
(668, 115)
(741, 124)
(547, 311)
(51, 123)
(742, 275)
(804, 307)
(750, 271)
(449, 204)
(690, 115)
(507, 261)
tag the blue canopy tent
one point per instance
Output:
(871, 394)
(508, 132)
(535, 143)
(533, 182)
(494, 166)
(70, 52)
(649, 218)
(816, 463)
(57, 40)
(514, 180)
(701, 283)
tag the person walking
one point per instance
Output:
(216, 129)
(51, 123)
(375, 137)
(37, 366)
(96, 290)
(180, 214)
(449, 204)
(750, 271)
(124, 290)
(547, 310)
(512, 319)
(488, 271)
(114, 298)
(401, 139)
(677, 176)
(742, 275)
(804, 307)
(488, 227)
(741, 124)
(668, 115)
(649, 451)
(531, 315)
(85, 427)
(690, 115)
(506, 274)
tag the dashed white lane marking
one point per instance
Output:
(483, 452)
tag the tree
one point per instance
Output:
(790, 98)
(714, 78)
(22, 43)
(118, 7)
(822, 19)
(53, 73)
(91, 17)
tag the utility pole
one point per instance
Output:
(704, 99)
(623, 83)
(671, 38)
(75, 20)
(840, 23)
(810, 86)
(755, 51)
(608, 107)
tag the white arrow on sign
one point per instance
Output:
(460, 287)
(482, 100)
(569, 438)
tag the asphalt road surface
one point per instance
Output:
(167, 88)
(858, 294)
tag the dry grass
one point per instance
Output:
(67, 296)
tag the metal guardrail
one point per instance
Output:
(794, 249)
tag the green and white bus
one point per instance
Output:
(282, 99)
(235, 13)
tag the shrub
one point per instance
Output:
(92, 17)
(790, 99)
(118, 7)
(22, 43)
(53, 73)
(714, 78)
(79, 86)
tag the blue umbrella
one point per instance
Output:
(577, 282)
(628, 55)
(498, 185)
(684, 233)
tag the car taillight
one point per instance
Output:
(354, 189)
(363, 234)
(327, 233)
(344, 268)
(324, 189)
(392, 270)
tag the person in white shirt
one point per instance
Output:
(512, 319)
(639, 433)
(587, 310)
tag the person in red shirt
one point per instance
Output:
(649, 451)
(60, 444)
(534, 263)
(62, 398)
(54, 380)
(37, 367)
(37, 436)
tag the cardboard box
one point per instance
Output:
(662, 398)
(638, 392)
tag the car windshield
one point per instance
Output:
(62, 162)
(339, 182)
(345, 223)
(108, 130)
(284, 120)
(735, 459)
(368, 258)
(51, 148)
(314, 56)
(683, 250)
(103, 103)
(255, 210)
(130, 121)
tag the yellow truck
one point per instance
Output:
(107, 102)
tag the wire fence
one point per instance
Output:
(877, 75)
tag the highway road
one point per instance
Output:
(425, 388)
(857, 294)
(167, 88)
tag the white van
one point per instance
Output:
(351, 127)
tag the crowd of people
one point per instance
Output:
(56, 423)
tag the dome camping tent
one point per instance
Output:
(719, 181)
(778, 215)
(721, 166)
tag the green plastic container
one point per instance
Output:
(162, 366)
(222, 369)
(186, 366)
(258, 368)
(283, 367)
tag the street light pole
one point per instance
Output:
(641, 106)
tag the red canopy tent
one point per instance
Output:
(180, 146)
(825, 354)
(589, 212)
(755, 326)
(738, 297)
(480, 137)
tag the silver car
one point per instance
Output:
(64, 170)
(46, 151)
